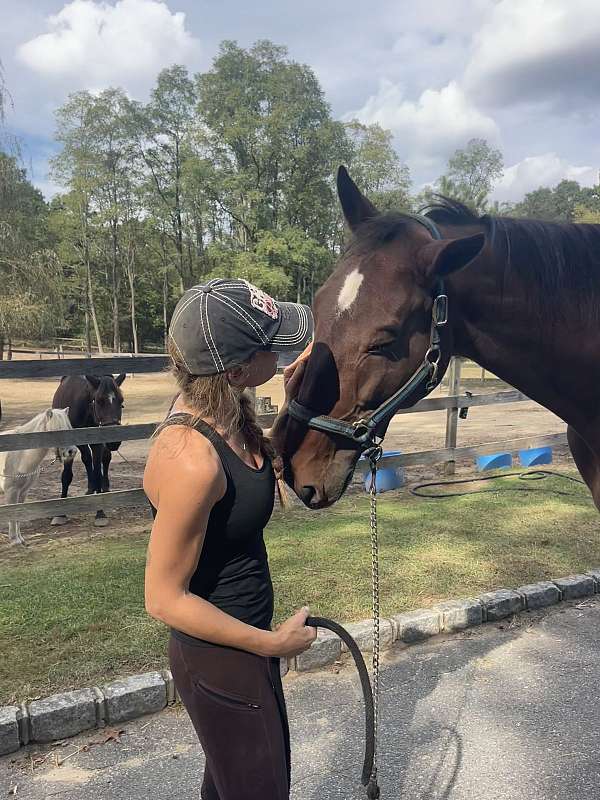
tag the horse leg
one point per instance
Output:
(13, 495)
(65, 479)
(98, 458)
(106, 459)
(587, 462)
(87, 456)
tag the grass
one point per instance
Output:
(72, 614)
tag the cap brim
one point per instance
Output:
(296, 328)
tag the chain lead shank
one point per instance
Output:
(374, 455)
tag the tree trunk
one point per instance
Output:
(165, 304)
(92, 308)
(115, 292)
(131, 278)
(2, 347)
(88, 338)
(9, 348)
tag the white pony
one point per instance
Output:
(19, 469)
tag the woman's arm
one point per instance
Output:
(184, 479)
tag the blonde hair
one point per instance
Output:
(215, 400)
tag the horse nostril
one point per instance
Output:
(307, 493)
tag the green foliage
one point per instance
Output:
(472, 173)
(558, 204)
(583, 213)
(31, 298)
(227, 173)
(376, 167)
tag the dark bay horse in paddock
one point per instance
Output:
(93, 401)
(519, 297)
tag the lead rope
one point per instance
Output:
(374, 455)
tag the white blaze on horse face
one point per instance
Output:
(350, 290)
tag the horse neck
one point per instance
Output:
(493, 325)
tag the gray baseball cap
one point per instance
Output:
(223, 323)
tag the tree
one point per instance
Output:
(31, 297)
(586, 215)
(472, 173)
(97, 164)
(558, 204)
(165, 128)
(376, 166)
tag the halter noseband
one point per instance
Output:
(364, 432)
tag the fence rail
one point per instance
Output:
(125, 433)
(44, 509)
(101, 365)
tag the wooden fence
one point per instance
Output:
(102, 365)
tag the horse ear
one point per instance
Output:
(93, 380)
(354, 204)
(120, 378)
(445, 256)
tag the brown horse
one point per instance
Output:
(93, 401)
(523, 302)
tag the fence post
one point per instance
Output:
(252, 392)
(452, 413)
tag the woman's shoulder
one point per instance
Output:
(182, 456)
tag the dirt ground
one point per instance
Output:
(147, 398)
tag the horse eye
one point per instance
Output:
(381, 348)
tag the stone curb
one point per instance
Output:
(69, 713)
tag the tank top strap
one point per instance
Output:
(215, 438)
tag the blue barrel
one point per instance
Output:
(535, 456)
(493, 461)
(388, 478)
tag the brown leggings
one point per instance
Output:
(236, 704)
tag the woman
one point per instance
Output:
(210, 480)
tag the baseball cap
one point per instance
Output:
(224, 322)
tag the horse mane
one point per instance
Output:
(31, 425)
(558, 261)
(35, 425)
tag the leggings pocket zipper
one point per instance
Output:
(226, 699)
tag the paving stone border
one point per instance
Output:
(69, 713)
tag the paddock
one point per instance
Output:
(492, 423)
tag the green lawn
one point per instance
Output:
(71, 614)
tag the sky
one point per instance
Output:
(523, 74)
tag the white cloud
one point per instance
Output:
(547, 169)
(93, 44)
(536, 50)
(430, 128)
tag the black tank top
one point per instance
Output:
(233, 569)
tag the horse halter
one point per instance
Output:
(364, 433)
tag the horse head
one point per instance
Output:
(107, 401)
(372, 331)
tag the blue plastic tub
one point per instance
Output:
(388, 478)
(493, 461)
(535, 456)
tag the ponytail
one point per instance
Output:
(254, 434)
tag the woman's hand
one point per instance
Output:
(292, 374)
(293, 636)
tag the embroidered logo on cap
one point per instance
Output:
(262, 302)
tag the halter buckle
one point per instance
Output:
(440, 310)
